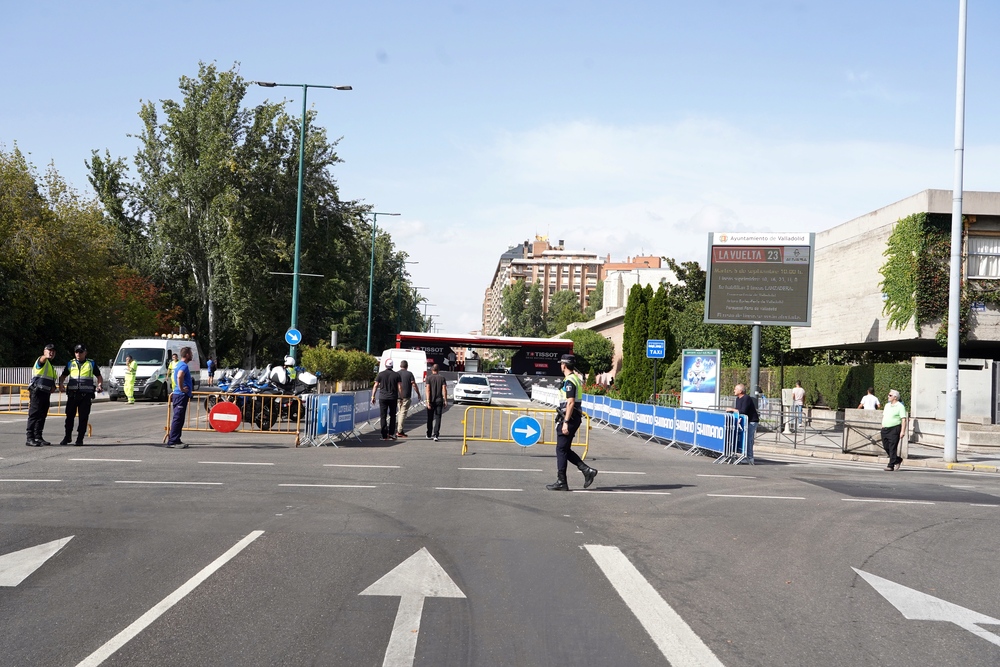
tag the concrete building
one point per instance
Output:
(848, 301)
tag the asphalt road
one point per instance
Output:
(667, 559)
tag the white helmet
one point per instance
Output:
(289, 360)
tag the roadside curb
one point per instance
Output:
(912, 463)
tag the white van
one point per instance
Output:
(416, 360)
(153, 356)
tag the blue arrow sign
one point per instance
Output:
(525, 431)
(656, 349)
(293, 336)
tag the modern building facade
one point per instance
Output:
(848, 303)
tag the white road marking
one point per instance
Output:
(506, 469)
(470, 488)
(883, 500)
(354, 465)
(30, 480)
(333, 486)
(235, 463)
(17, 566)
(676, 640)
(638, 493)
(961, 486)
(620, 472)
(733, 495)
(418, 577)
(140, 624)
(136, 481)
(982, 505)
(111, 460)
(738, 476)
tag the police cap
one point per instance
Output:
(568, 359)
(80, 348)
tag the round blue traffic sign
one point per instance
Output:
(525, 431)
(293, 337)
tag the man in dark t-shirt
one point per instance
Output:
(436, 398)
(746, 406)
(407, 384)
(387, 388)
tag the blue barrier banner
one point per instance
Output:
(340, 415)
(628, 415)
(363, 409)
(615, 412)
(710, 431)
(663, 423)
(587, 403)
(644, 415)
(319, 414)
(600, 408)
(684, 425)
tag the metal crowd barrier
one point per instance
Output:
(492, 424)
(14, 399)
(261, 413)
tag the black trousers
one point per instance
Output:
(434, 412)
(890, 442)
(564, 452)
(38, 410)
(387, 408)
(77, 402)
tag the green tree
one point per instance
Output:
(564, 309)
(596, 301)
(534, 318)
(631, 382)
(593, 351)
(512, 308)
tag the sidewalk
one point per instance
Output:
(919, 456)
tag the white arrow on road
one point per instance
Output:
(17, 566)
(918, 606)
(416, 578)
(527, 431)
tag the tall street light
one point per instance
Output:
(298, 205)
(398, 305)
(426, 326)
(371, 279)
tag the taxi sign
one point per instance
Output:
(525, 431)
(225, 417)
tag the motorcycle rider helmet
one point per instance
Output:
(289, 360)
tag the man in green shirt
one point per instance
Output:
(893, 429)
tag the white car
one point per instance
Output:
(472, 389)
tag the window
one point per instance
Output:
(984, 257)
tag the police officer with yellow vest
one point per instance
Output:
(568, 420)
(84, 381)
(43, 382)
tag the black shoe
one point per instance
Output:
(64, 442)
(588, 475)
(43, 441)
(31, 442)
(559, 485)
(78, 443)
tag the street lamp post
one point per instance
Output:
(298, 204)
(426, 305)
(398, 305)
(371, 279)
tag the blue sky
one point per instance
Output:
(623, 130)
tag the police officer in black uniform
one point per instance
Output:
(568, 420)
(43, 382)
(84, 381)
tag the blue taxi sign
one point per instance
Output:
(656, 349)
(525, 431)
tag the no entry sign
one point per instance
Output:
(224, 417)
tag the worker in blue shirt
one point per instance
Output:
(183, 388)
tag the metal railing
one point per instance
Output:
(260, 413)
(493, 424)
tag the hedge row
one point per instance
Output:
(336, 364)
(834, 387)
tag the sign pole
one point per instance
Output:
(755, 363)
(655, 402)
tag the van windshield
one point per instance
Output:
(146, 356)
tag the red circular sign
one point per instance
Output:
(225, 417)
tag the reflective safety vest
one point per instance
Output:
(44, 377)
(130, 370)
(81, 376)
(577, 407)
(292, 373)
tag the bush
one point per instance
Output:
(336, 364)
(834, 387)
